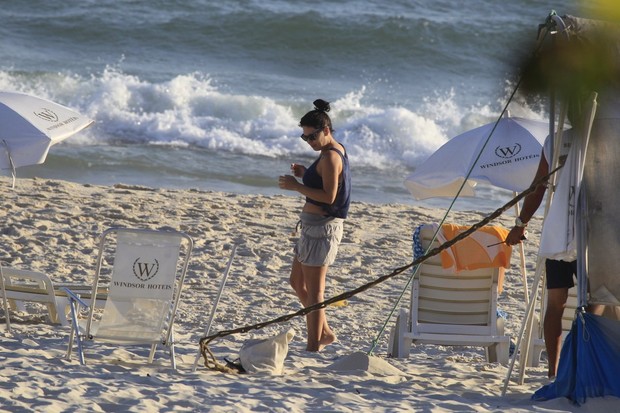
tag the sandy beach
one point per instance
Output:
(53, 227)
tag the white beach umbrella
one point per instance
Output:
(509, 159)
(29, 125)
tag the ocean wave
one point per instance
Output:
(190, 110)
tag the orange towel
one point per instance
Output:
(474, 252)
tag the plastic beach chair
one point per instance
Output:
(23, 285)
(144, 280)
(20, 286)
(451, 308)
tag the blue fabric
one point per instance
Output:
(589, 361)
(312, 179)
(418, 250)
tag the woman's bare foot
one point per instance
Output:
(326, 339)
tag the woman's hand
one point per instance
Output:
(298, 170)
(288, 182)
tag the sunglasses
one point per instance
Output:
(312, 136)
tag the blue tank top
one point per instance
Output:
(312, 179)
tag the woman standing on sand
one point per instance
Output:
(326, 185)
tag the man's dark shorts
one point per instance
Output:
(560, 273)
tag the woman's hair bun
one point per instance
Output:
(321, 105)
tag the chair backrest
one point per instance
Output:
(145, 282)
(446, 301)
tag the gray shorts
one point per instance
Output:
(319, 239)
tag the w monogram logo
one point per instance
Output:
(144, 271)
(508, 151)
(47, 114)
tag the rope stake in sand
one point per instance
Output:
(204, 342)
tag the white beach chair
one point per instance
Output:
(537, 345)
(144, 282)
(23, 285)
(31, 286)
(451, 309)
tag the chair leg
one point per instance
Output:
(152, 353)
(405, 327)
(503, 352)
(399, 345)
(498, 353)
(75, 334)
(537, 344)
(61, 310)
(173, 360)
(70, 345)
(393, 340)
(533, 356)
(6, 305)
(51, 308)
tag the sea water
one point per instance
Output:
(208, 95)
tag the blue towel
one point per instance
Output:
(418, 250)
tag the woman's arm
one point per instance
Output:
(329, 168)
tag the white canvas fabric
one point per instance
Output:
(557, 240)
(508, 160)
(142, 287)
(30, 125)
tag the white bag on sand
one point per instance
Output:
(266, 355)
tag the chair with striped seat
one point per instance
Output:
(451, 308)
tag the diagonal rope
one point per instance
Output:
(205, 341)
(458, 193)
(445, 216)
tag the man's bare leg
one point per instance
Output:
(556, 301)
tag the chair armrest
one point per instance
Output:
(73, 296)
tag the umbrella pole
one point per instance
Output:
(12, 170)
(8, 154)
(528, 322)
(522, 258)
(5, 301)
(523, 343)
(522, 349)
(557, 134)
(581, 226)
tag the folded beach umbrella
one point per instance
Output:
(30, 125)
(508, 159)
